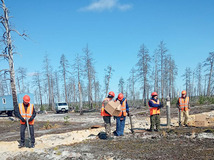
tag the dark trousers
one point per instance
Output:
(22, 133)
(120, 125)
(155, 121)
(107, 121)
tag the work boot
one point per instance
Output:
(21, 145)
(115, 133)
(32, 145)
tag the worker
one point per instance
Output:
(26, 112)
(105, 114)
(120, 119)
(155, 106)
(183, 106)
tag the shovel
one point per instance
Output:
(132, 130)
(179, 117)
(28, 140)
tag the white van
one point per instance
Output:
(61, 107)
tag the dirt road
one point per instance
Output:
(72, 138)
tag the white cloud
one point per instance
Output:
(124, 7)
(101, 5)
(31, 74)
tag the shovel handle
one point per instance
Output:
(131, 123)
(28, 128)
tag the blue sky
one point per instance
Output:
(114, 31)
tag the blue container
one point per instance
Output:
(6, 102)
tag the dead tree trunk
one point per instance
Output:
(78, 74)
(210, 63)
(156, 81)
(89, 73)
(162, 53)
(48, 73)
(143, 69)
(121, 85)
(108, 75)
(37, 82)
(9, 52)
(57, 86)
(64, 67)
(80, 98)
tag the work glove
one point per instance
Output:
(177, 106)
(161, 106)
(23, 120)
(127, 113)
(31, 118)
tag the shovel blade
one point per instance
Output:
(27, 143)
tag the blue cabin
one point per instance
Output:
(6, 102)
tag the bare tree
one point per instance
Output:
(95, 89)
(48, 79)
(78, 70)
(199, 79)
(8, 51)
(187, 79)
(37, 84)
(173, 73)
(89, 69)
(209, 64)
(64, 70)
(170, 72)
(21, 75)
(162, 53)
(121, 85)
(18, 83)
(156, 71)
(2, 85)
(143, 65)
(132, 81)
(71, 87)
(57, 91)
(52, 88)
(193, 83)
(166, 78)
(108, 75)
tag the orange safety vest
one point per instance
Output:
(154, 110)
(26, 114)
(184, 103)
(103, 112)
(123, 109)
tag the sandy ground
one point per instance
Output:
(80, 140)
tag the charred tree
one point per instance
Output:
(48, 79)
(89, 70)
(37, 84)
(209, 64)
(108, 76)
(162, 54)
(143, 65)
(199, 79)
(64, 66)
(78, 70)
(121, 85)
(8, 51)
